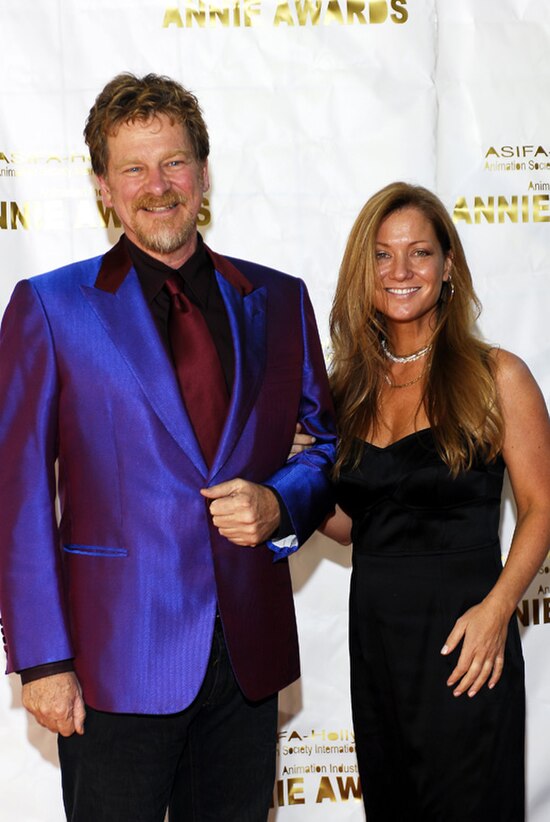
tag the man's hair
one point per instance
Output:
(127, 99)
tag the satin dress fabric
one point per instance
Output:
(425, 549)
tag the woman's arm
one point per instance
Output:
(337, 526)
(526, 452)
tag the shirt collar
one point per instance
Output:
(197, 272)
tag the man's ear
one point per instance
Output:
(205, 177)
(105, 191)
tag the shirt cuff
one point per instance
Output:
(48, 669)
(285, 523)
(282, 542)
(283, 547)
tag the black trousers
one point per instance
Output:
(213, 762)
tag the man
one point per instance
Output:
(152, 621)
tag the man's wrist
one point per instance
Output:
(284, 529)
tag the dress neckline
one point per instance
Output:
(395, 442)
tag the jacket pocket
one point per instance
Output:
(95, 550)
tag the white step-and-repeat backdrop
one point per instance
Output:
(312, 105)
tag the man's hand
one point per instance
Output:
(243, 512)
(56, 703)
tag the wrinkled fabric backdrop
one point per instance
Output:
(312, 105)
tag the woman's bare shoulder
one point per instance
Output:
(520, 395)
(509, 369)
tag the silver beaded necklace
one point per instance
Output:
(410, 358)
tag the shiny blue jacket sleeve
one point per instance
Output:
(304, 482)
(29, 539)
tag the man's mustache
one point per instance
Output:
(168, 199)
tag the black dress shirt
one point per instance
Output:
(200, 286)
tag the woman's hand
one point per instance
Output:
(483, 630)
(526, 452)
(301, 441)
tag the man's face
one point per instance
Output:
(155, 185)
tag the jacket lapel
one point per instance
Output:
(247, 317)
(117, 297)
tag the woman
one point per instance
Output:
(429, 417)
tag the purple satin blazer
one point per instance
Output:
(127, 575)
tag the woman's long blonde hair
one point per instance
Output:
(460, 397)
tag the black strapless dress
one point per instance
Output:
(425, 549)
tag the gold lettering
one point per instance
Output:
(513, 208)
(306, 9)
(523, 614)
(199, 15)
(351, 786)
(506, 209)
(333, 14)
(222, 14)
(401, 14)
(280, 794)
(540, 210)
(204, 215)
(287, 12)
(251, 7)
(107, 216)
(482, 210)
(283, 15)
(326, 791)
(3, 157)
(536, 613)
(546, 610)
(378, 11)
(3, 215)
(461, 211)
(17, 214)
(355, 8)
(172, 17)
(295, 791)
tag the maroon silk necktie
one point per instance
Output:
(199, 370)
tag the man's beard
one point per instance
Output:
(169, 235)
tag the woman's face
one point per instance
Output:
(411, 267)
